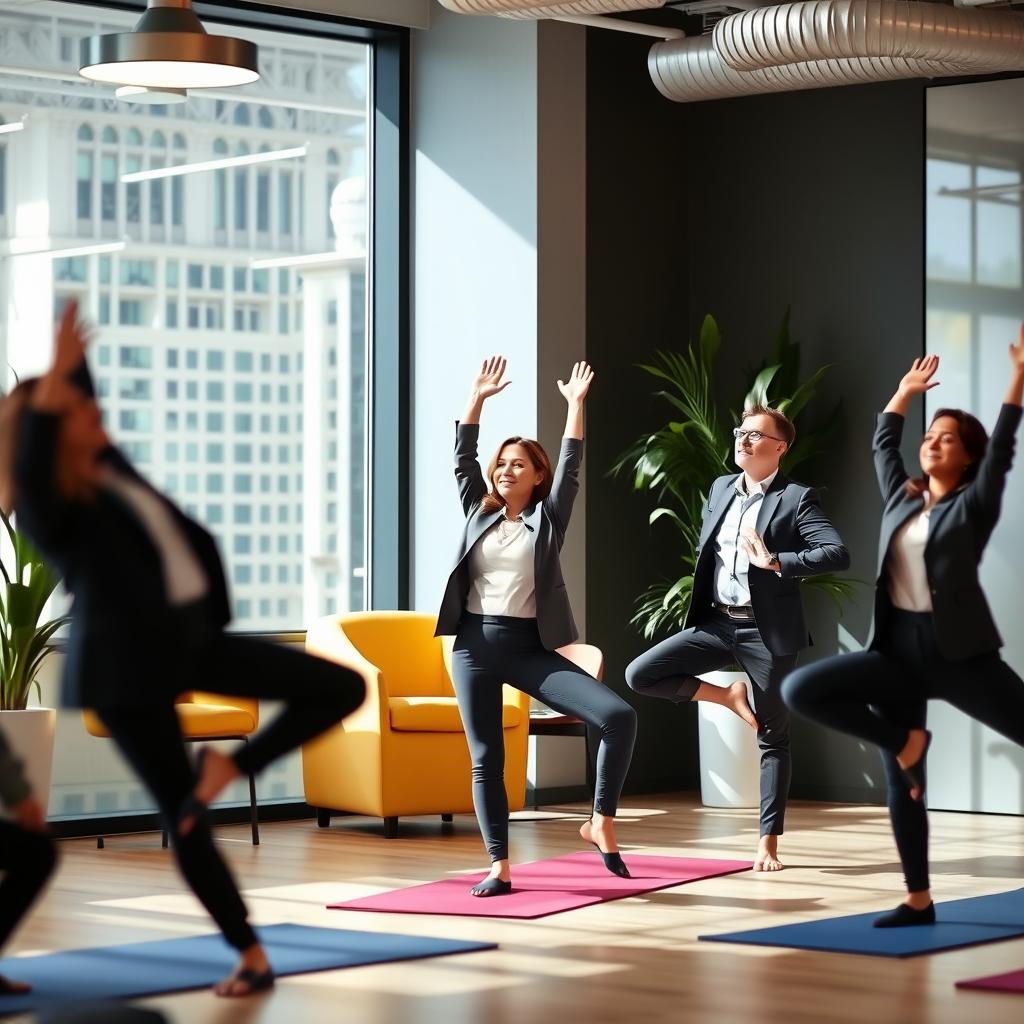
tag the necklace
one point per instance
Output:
(508, 528)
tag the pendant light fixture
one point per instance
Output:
(169, 49)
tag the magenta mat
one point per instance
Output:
(1013, 981)
(547, 886)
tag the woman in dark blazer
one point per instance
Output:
(507, 606)
(934, 636)
(150, 607)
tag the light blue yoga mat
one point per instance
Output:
(174, 965)
(968, 922)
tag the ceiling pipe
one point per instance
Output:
(546, 9)
(618, 25)
(822, 43)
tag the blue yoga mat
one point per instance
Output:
(959, 923)
(174, 965)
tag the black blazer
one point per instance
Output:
(959, 528)
(125, 645)
(547, 522)
(793, 525)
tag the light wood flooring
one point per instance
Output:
(632, 960)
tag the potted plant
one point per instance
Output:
(25, 643)
(677, 464)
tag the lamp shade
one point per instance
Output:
(169, 49)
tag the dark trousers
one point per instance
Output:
(491, 650)
(317, 694)
(670, 671)
(879, 695)
(27, 860)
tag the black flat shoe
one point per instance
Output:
(916, 775)
(491, 887)
(904, 916)
(612, 861)
(257, 981)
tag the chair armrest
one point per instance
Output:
(326, 639)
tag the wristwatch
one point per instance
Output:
(774, 559)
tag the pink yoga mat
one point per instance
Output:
(546, 886)
(1011, 982)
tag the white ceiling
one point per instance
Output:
(994, 110)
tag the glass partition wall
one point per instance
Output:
(974, 307)
(220, 248)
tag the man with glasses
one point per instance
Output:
(761, 533)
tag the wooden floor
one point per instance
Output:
(631, 960)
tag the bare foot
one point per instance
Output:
(738, 702)
(768, 854)
(10, 987)
(600, 831)
(733, 697)
(252, 974)
(217, 771)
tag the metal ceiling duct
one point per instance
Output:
(546, 9)
(820, 43)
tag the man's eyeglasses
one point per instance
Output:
(754, 435)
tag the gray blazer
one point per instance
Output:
(959, 528)
(547, 522)
(793, 525)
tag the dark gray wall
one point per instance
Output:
(637, 270)
(812, 200)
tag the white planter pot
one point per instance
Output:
(30, 736)
(730, 761)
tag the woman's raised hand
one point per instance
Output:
(1017, 352)
(69, 342)
(918, 379)
(488, 380)
(576, 387)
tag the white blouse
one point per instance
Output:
(501, 570)
(184, 578)
(908, 579)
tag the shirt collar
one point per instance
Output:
(761, 487)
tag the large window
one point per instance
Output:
(974, 296)
(231, 303)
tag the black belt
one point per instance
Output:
(735, 611)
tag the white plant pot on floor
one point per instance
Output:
(730, 760)
(30, 736)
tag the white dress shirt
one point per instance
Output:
(501, 571)
(908, 579)
(731, 561)
(184, 579)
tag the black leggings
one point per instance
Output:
(317, 695)
(493, 649)
(27, 860)
(879, 695)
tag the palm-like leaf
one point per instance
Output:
(25, 641)
(681, 459)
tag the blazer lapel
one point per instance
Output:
(891, 522)
(770, 503)
(939, 512)
(479, 525)
(713, 519)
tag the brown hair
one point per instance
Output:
(783, 424)
(973, 437)
(492, 500)
(12, 415)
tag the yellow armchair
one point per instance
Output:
(404, 751)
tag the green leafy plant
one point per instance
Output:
(25, 641)
(679, 461)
